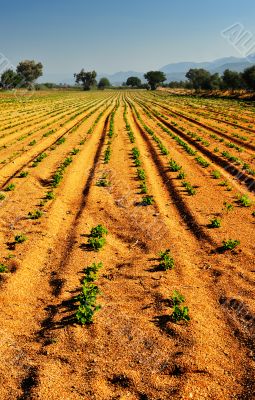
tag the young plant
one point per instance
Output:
(23, 174)
(20, 238)
(2, 196)
(181, 175)
(98, 231)
(189, 188)
(244, 201)
(174, 167)
(103, 181)
(96, 238)
(74, 151)
(143, 188)
(230, 244)
(216, 174)
(228, 206)
(141, 174)
(147, 200)
(180, 313)
(166, 260)
(3, 268)
(35, 214)
(87, 303)
(215, 223)
(50, 195)
(9, 188)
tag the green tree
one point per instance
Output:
(29, 71)
(249, 77)
(103, 83)
(9, 79)
(155, 78)
(202, 79)
(232, 80)
(87, 79)
(133, 81)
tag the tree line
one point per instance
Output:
(199, 78)
(28, 71)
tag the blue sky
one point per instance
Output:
(114, 35)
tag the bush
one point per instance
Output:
(215, 223)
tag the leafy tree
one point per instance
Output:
(103, 83)
(199, 78)
(87, 79)
(249, 77)
(29, 71)
(232, 80)
(155, 78)
(9, 79)
(202, 79)
(133, 81)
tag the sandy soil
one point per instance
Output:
(133, 350)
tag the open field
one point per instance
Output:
(159, 172)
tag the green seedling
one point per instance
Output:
(2, 196)
(9, 188)
(180, 313)
(35, 214)
(141, 174)
(244, 201)
(50, 195)
(96, 243)
(147, 200)
(23, 174)
(174, 167)
(216, 174)
(166, 260)
(87, 303)
(98, 231)
(143, 188)
(230, 244)
(215, 223)
(3, 268)
(20, 238)
(181, 175)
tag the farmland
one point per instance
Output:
(144, 203)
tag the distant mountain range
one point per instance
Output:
(174, 71)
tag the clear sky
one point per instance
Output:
(114, 35)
